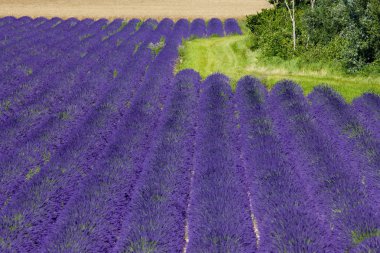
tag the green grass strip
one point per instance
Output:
(233, 57)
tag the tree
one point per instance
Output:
(291, 7)
(312, 3)
(292, 14)
(274, 2)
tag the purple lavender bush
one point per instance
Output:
(157, 213)
(215, 27)
(64, 181)
(198, 28)
(367, 109)
(274, 186)
(232, 27)
(218, 200)
(327, 177)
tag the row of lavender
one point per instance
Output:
(218, 172)
(10, 26)
(257, 172)
(90, 102)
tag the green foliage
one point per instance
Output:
(123, 24)
(156, 47)
(5, 105)
(139, 24)
(85, 36)
(358, 237)
(326, 20)
(272, 32)
(142, 245)
(278, 3)
(345, 32)
(356, 23)
(118, 42)
(46, 156)
(32, 172)
(137, 46)
(56, 24)
(64, 115)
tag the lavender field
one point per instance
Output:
(103, 148)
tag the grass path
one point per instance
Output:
(232, 57)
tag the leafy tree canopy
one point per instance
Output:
(346, 31)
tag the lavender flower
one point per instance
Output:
(215, 27)
(218, 198)
(277, 194)
(367, 109)
(232, 27)
(198, 28)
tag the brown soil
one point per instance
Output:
(131, 8)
